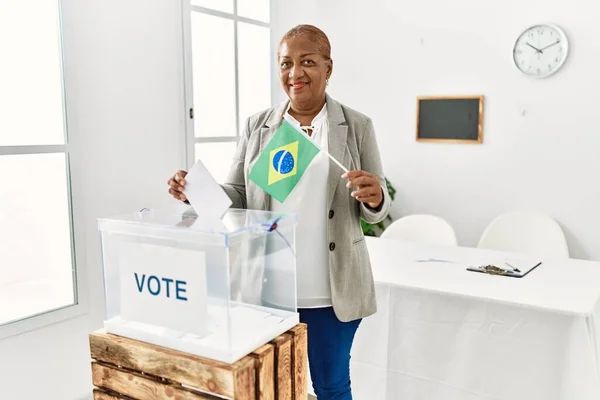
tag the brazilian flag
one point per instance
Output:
(283, 161)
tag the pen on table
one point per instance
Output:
(514, 269)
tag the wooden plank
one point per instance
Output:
(299, 361)
(100, 394)
(137, 386)
(264, 364)
(210, 376)
(244, 380)
(283, 367)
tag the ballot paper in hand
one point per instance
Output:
(204, 193)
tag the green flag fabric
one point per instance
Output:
(283, 161)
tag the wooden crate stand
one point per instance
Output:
(127, 369)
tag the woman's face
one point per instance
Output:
(303, 71)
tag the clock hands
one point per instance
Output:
(541, 51)
(550, 45)
(535, 48)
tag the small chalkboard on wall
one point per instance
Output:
(451, 119)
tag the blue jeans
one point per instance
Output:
(329, 344)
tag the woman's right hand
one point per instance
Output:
(176, 185)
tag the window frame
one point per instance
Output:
(188, 9)
(80, 305)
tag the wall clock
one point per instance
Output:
(541, 50)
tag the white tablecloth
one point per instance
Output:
(444, 333)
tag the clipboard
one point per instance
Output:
(509, 272)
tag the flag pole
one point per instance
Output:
(339, 164)
(336, 161)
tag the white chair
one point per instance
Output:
(530, 233)
(422, 228)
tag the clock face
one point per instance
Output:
(540, 51)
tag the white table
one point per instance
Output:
(444, 333)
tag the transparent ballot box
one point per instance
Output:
(216, 288)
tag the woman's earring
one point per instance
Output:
(327, 82)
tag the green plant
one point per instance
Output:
(376, 229)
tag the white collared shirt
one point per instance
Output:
(309, 201)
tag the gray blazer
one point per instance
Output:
(352, 142)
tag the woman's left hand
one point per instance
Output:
(368, 187)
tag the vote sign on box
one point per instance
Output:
(163, 286)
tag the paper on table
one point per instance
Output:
(515, 266)
(204, 193)
(426, 260)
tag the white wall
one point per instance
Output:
(540, 137)
(125, 105)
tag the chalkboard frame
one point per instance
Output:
(452, 140)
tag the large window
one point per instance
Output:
(37, 269)
(228, 75)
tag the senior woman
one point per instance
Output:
(334, 280)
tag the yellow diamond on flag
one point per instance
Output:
(282, 162)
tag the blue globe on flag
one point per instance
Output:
(283, 162)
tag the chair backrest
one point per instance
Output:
(530, 233)
(422, 228)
